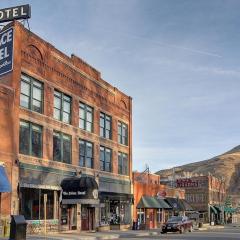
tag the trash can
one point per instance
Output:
(18, 228)
(200, 225)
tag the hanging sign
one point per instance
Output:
(6, 51)
(18, 12)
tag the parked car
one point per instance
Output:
(178, 224)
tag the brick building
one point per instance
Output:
(67, 134)
(153, 202)
(206, 194)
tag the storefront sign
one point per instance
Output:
(78, 193)
(6, 51)
(18, 12)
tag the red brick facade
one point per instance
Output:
(74, 77)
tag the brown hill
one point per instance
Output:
(225, 166)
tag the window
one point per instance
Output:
(105, 126)
(105, 159)
(30, 139)
(159, 215)
(85, 154)
(62, 107)
(32, 203)
(31, 96)
(141, 215)
(123, 163)
(85, 117)
(62, 147)
(122, 133)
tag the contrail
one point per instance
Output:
(164, 44)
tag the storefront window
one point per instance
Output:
(114, 212)
(32, 205)
(125, 212)
(141, 216)
(105, 213)
(159, 215)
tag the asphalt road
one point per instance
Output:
(227, 233)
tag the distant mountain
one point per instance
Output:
(226, 165)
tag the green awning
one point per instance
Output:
(152, 203)
(213, 209)
(229, 210)
(163, 203)
(219, 208)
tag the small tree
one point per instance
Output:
(228, 202)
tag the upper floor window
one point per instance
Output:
(105, 159)
(123, 163)
(122, 133)
(105, 126)
(62, 107)
(30, 139)
(85, 117)
(85, 154)
(31, 96)
(62, 147)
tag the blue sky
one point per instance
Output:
(178, 59)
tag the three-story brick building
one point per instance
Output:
(66, 134)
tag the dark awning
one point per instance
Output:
(152, 203)
(175, 203)
(219, 208)
(84, 187)
(163, 203)
(213, 209)
(5, 185)
(186, 205)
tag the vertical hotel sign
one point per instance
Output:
(6, 36)
(6, 51)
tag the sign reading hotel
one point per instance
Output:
(18, 12)
(6, 51)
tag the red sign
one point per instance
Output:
(182, 183)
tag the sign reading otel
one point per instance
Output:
(6, 36)
(18, 12)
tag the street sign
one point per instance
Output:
(45, 198)
(18, 12)
(6, 51)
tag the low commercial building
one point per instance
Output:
(154, 203)
(66, 140)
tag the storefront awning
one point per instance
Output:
(229, 210)
(152, 203)
(5, 185)
(213, 209)
(219, 208)
(78, 188)
(175, 203)
(186, 205)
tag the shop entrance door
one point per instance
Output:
(87, 218)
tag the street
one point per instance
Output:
(227, 233)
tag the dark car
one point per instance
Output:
(177, 224)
